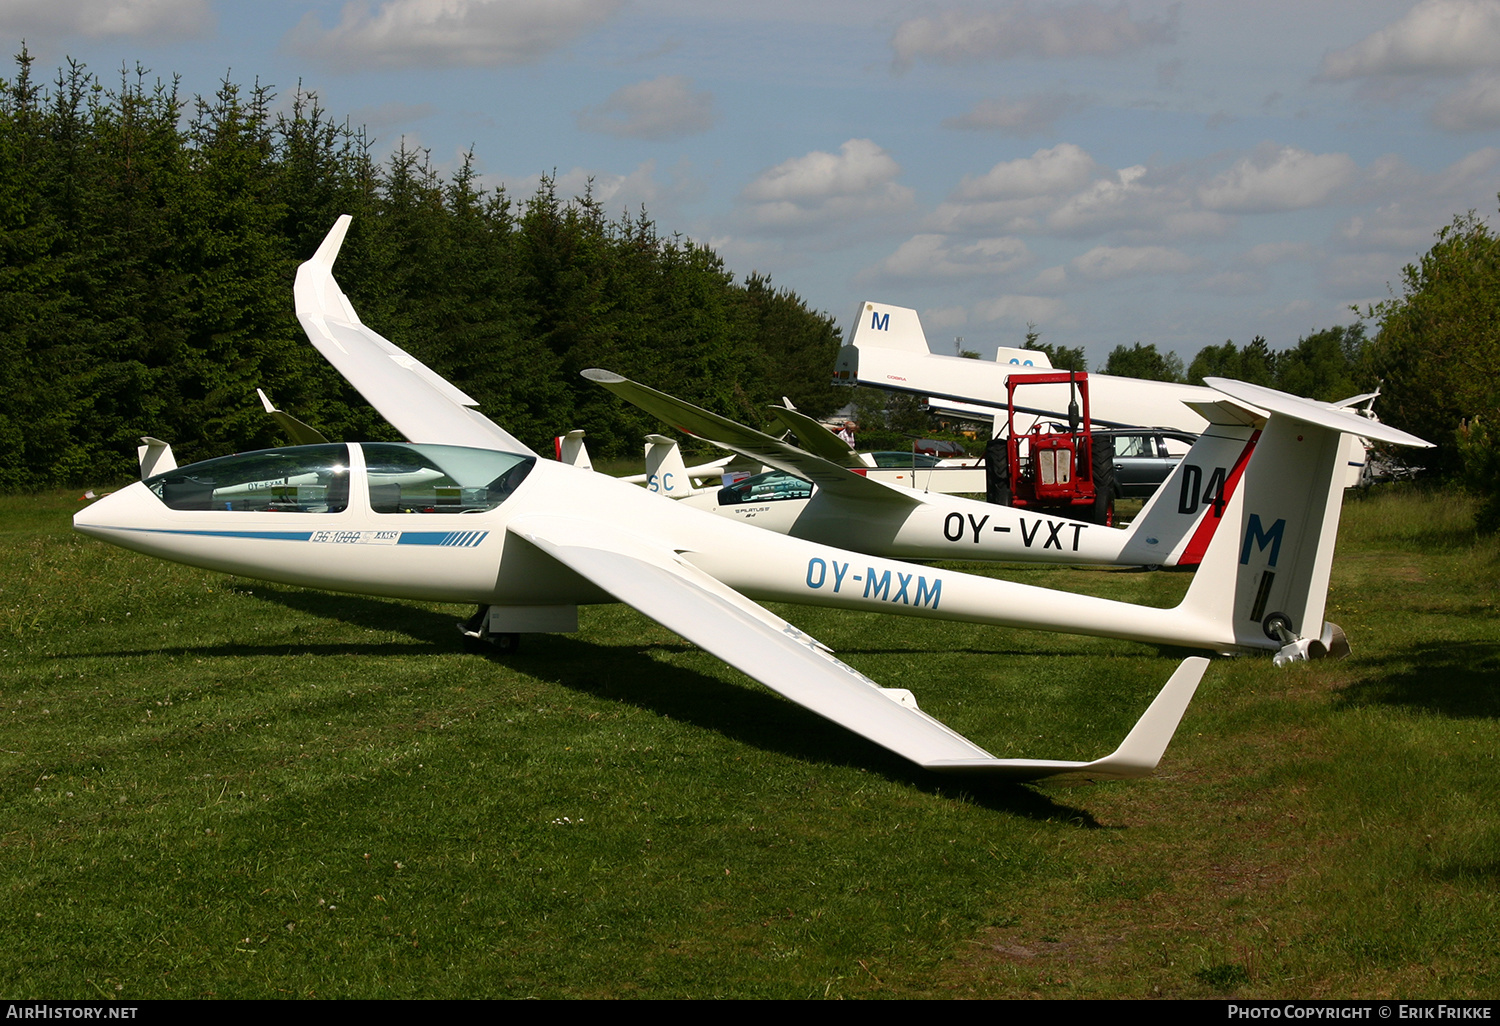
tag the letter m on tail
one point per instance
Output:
(880, 321)
(1257, 535)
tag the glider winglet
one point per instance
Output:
(1137, 756)
(328, 251)
(415, 399)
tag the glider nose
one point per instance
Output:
(129, 509)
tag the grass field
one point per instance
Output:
(217, 787)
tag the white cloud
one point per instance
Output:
(448, 33)
(1442, 37)
(1018, 116)
(1015, 30)
(95, 18)
(1405, 205)
(1278, 179)
(1473, 107)
(661, 108)
(937, 256)
(818, 187)
(1046, 172)
(1108, 262)
(1019, 310)
(1063, 191)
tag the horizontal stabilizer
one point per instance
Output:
(1310, 411)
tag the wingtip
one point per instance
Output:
(603, 377)
(1143, 747)
(328, 252)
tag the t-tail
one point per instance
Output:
(666, 474)
(1180, 519)
(1264, 577)
(571, 450)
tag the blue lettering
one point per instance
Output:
(1257, 535)
(822, 569)
(838, 575)
(881, 589)
(929, 598)
(651, 484)
(880, 321)
(666, 482)
(901, 597)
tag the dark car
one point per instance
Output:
(1145, 457)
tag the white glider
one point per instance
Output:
(853, 508)
(888, 349)
(532, 539)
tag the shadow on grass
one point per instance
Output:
(1459, 679)
(760, 719)
(373, 614)
(636, 676)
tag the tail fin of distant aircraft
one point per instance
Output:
(666, 474)
(1266, 570)
(571, 450)
(888, 327)
(155, 456)
(882, 326)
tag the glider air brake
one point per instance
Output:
(852, 509)
(532, 539)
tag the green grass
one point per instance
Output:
(217, 787)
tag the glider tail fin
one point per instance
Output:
(666, 474)
(1180, 519)
(1265, 573)
(155, 456)
(571, 450)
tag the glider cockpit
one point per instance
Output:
(396, 477)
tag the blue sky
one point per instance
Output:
(1176, 173)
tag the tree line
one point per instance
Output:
(148, 245)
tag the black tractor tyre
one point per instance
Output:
(997, 472)
(1104, 482)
